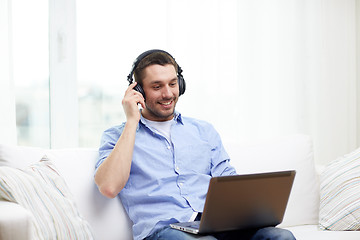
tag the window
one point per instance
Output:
(31, 71)
(70, 68)
(112, 33)
(109, 37)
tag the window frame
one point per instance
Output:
(64, 126)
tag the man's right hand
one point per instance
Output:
(130, 103)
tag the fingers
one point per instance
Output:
(142, 102)
(131, 87)
(135, 98)
(130, 102)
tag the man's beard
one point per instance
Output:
(160, 115)
(154, 111)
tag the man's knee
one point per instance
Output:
(272, 233)
(168, 233)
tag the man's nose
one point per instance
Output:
(166, 93)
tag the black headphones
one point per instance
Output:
(138, 88)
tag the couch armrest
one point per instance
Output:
(15, 222)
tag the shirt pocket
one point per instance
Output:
(194, 158)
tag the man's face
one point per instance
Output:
(162, 92)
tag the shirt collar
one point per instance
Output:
(177, 118)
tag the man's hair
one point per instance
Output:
(160, 58)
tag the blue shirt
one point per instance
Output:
(168, 180)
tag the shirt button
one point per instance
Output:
(168, 147)
(180, 184)
(177, 168)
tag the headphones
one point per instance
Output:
(181, 81)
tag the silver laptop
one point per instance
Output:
(243, 201)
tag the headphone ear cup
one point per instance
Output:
(139, 89)
(182, 85)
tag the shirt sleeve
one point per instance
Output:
(108, 140)
(220, 161)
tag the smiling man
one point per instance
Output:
(160, 163)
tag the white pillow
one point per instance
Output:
(340, 194)
(41, 190)
(293, 152)
(19, 156)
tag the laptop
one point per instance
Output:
(243, 201)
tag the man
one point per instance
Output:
(158, 162)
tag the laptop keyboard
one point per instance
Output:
(194, 224)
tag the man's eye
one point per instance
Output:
(156, 87)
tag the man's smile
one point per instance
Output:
(166, 103)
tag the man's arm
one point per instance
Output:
(112, 175)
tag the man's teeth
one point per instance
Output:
(166, 103)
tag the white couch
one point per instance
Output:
(108, 219)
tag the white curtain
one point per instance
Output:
(263, 68)
(7, 99)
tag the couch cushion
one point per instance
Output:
(340, 194)
(312, 232)
(41, 190)
(293, 152)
